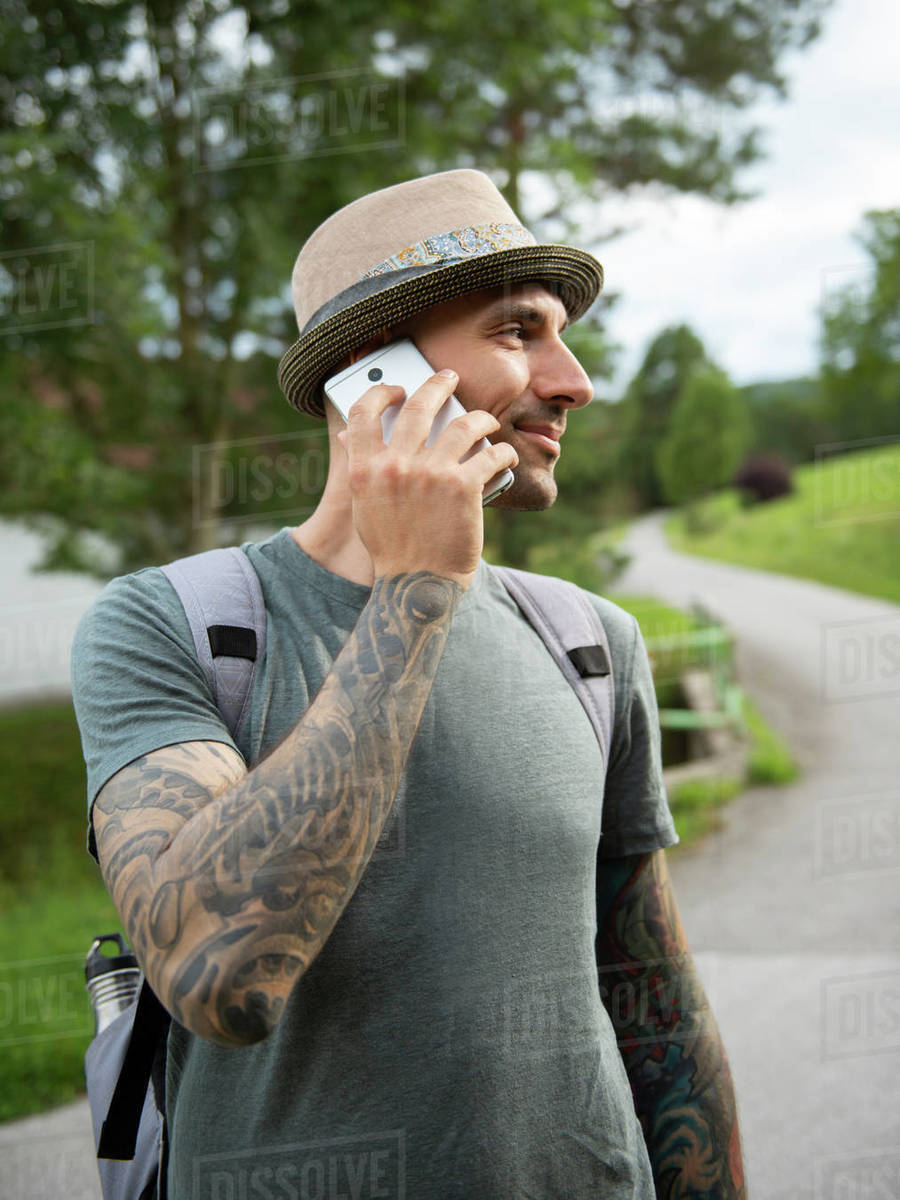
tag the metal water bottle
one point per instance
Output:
(112, 979)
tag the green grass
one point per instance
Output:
(770, 759)
(590, 561)
(53, 903)
(655, 618)
(841, 526)
(697, 805)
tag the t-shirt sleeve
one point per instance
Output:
(636, 815)
(136, 683)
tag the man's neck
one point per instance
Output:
(329, 535)
(337, 551)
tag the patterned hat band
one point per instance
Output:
(454, 246)
(441, 250)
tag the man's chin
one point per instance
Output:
(531, 492)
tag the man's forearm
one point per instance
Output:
(669, 1040)
(683, 1092)
(227, 911)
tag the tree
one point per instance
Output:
(185, 148)
(861, 340)
(788, 418)
(648, 406)
(706, 439)
(597, 97)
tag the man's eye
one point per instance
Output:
(515, 330)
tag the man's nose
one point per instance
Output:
(560, 376)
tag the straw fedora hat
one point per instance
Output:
(395, 252)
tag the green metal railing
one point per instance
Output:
(710, 647)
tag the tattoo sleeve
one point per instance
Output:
(228, 881)
(668, 1037)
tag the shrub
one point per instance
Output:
(763, 477)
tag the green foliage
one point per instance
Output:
(788, 417)
(706, 437)
(54, 903)
(589, 95)
(44, 939)
(860, 340)
(172, 159)
(707, 514)
(591, 561)
(840, 526)
(655, 617)
(43, 815)
(696, 807)
(696, 804)
(648, 407)
(770, 760)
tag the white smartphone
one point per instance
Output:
(401, 363)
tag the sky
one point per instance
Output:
(749, 279)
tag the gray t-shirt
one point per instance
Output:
(449, 1040)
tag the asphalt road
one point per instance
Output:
(793, 909)
(38, 617)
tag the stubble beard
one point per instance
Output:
(533, 491)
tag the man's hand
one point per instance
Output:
(418, 508)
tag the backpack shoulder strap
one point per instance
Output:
(574, 634)
(138, 1038)
(223, 601)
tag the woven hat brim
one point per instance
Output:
(575, 276)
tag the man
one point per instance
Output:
(387, 923)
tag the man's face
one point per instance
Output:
(505, 345)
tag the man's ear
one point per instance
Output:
(381, 338)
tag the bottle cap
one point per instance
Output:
(98, 963)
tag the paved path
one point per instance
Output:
(49, 1157)
(793, 910)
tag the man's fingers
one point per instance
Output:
(416, 417)
(364, 418)
(489, 461)
(466, 431)
(460, 441)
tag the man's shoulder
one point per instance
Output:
(148, 588)
(622, 633)
(620, 625)
(130, 597)
(613, 616)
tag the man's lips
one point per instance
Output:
(545, 435)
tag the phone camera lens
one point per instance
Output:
(375, 374)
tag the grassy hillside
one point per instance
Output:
(841, 526)
(53, 904)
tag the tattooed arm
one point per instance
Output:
(229, 882)
(667, 1035)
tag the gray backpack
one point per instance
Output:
(223, 600)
